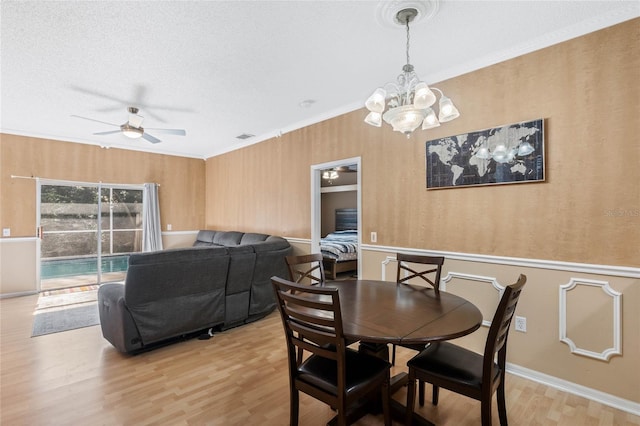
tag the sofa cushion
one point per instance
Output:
(204, 238)
(228, 238)
(251, 238)
(270, 244)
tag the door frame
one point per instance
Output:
(316, 200)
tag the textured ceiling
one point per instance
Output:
(220, 69)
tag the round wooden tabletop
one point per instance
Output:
(385, 312)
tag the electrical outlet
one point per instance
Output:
(521, 324)
(6, 232)
(374, 237)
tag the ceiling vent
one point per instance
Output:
(244, 136)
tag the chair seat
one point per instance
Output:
(451, 363)
(361, 369)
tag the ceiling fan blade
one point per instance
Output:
(179, 132)
(346, 169)
(135, 120)
(97, 121)
(150, 138)
(110, 132)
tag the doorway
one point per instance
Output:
(348, 166)
(87, 232)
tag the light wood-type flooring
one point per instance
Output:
(238, 377)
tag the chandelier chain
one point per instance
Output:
(408, 39)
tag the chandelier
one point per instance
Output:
(410, 100)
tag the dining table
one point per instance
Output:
(377, 313)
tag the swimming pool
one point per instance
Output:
(58, 268)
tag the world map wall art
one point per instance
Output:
(507, 154)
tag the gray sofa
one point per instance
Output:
(221, 282)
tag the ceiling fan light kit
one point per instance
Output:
(410, 100)
(131, 132)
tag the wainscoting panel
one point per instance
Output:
(593, 324)
(18, 266)
(475, 289)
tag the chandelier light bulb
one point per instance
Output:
(423, 97)
(430, 121)
(448, 111)
(374, 119)
(376, 101)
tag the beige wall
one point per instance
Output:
(588, 210)
(181, 179)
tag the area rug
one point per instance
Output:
(47, 321)
(65, 309)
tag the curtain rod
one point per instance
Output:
(79, 183)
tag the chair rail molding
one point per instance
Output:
(585, 268)
(616, 297)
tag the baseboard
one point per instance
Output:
(180, 232)
(576, 389)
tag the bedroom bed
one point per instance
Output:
(340, 248)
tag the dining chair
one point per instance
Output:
(333, 373)
(468, 373)
(429, 273)
(311, 263)
(301, 270)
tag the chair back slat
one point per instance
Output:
(311, 317)
(499, 331)
(403, 267)
(306, 268)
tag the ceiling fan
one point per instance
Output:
(133, 127)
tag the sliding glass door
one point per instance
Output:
(87, 232)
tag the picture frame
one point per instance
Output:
(512, 153)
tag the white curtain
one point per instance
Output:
(151, 227)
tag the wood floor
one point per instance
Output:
(236, 378)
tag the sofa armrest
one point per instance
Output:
(117, 324)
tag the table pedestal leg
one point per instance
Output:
(398, 410)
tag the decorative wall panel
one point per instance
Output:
(582, 325)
